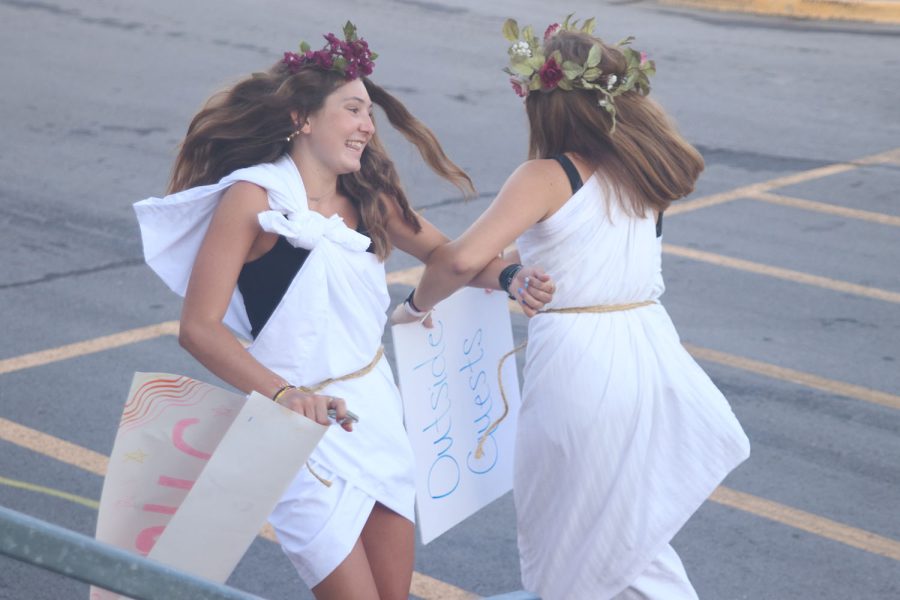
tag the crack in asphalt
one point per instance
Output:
(74, 14)
(434, 7)
(129, 262)
(452, 201)
(755, 161)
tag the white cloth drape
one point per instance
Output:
(328, 324)
(621, 435)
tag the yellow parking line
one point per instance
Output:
(823, 207)
(684, 206)
(744, 191)
(798, 519)
(780, 273)
(872, 11)
(831, 386)
(429, 588)
(408, 277)
(882, 158)
(891, 156)
(31, 487)
(131, 336)
(48, 445)
(88, 460)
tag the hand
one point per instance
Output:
(315, 407)
(533, 289)
(401, 316)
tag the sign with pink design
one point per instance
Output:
(448, 378)
(194, 472)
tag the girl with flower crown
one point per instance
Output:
(621, 435)
(282, 208)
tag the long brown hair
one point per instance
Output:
(645, 159)
(248, 123)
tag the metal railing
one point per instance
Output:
(83, 558)
(80, 557)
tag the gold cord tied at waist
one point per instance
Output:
(312, 389)
(599, 308)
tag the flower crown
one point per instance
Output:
(350, 57)
(531, 70)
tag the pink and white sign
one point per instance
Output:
(194, 472)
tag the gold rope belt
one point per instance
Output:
(312, 389)
(600, 308)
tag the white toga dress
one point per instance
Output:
(329, 323)
(621, 435)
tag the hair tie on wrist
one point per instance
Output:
(506, 278)
(410, 307)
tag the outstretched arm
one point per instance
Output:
(532, 192)
(429, 242)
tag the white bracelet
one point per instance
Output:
(413, 312)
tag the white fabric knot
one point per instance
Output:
(306, 229)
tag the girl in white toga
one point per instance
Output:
(283, 206)
(621, 435)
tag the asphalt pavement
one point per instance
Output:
(781, 269)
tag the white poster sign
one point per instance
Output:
(448, 379)
(194, 472)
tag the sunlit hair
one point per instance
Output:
(645, 159)
(249, 124)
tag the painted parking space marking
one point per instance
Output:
(410, 277)
(54, 447)
(823, 207)
(781, 273)
(685, 206)
(431, 588)
(824, 384)
(815, 524)
(889, 157)
(48, 491)
(106, 342)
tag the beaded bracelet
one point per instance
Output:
(282, 390)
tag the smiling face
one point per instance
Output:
(336, 134)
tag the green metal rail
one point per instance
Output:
(83, 558)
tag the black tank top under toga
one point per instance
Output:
(264, 281)
(576, 183)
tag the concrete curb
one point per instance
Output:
(876, 11)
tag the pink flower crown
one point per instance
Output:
(350, 57)
(532, 71)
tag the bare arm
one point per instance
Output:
(232, 233)
(529, 195)
(430, 241)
